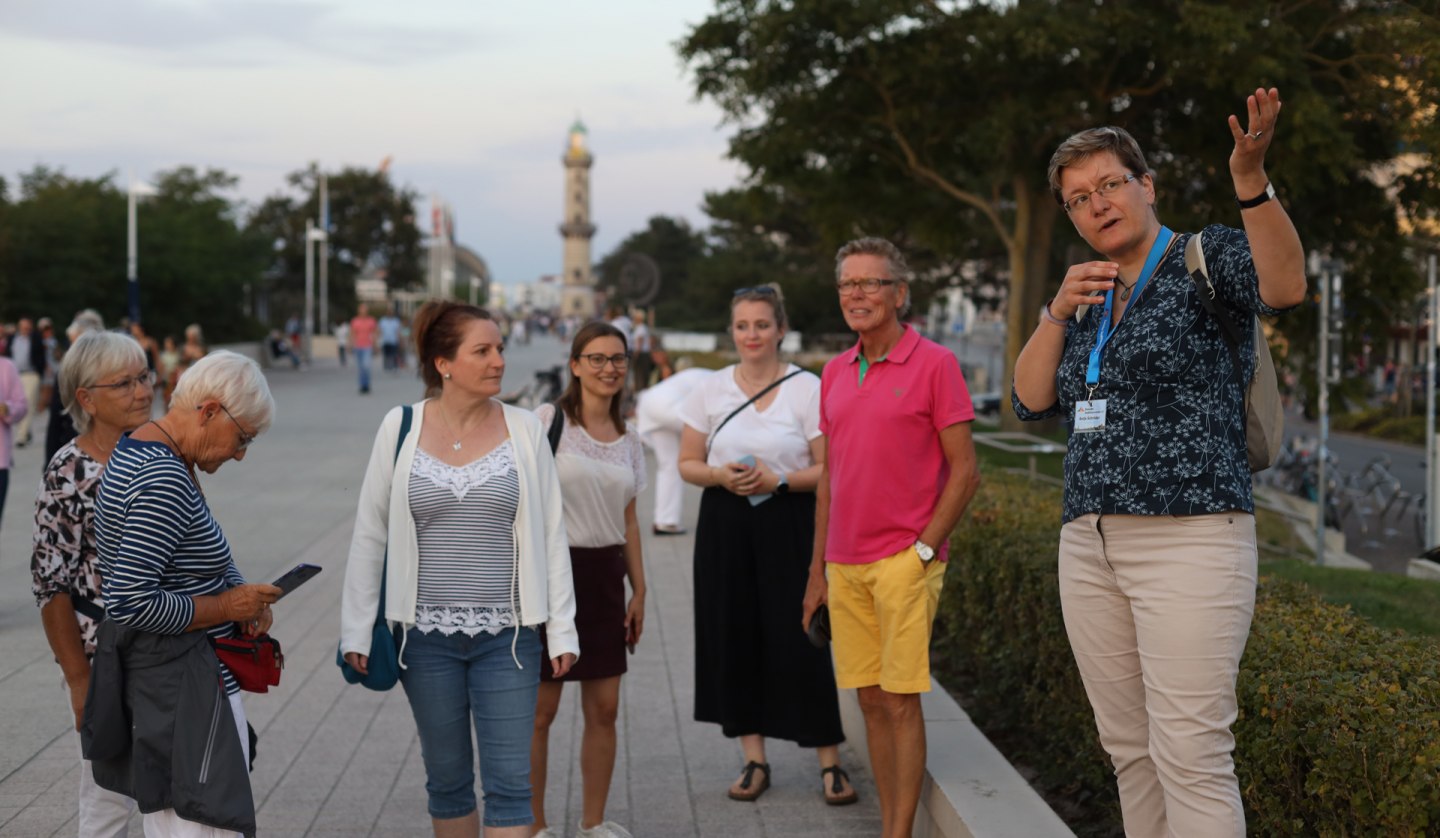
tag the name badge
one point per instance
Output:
(1090, 416)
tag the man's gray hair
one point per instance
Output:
(93, 356)
(86, 320)
(232, 379)
(895, 262)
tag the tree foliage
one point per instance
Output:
(62, 248)
(934, 121)
(372, 225)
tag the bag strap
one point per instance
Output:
(407, 415)
(557, 425)
(1205, 290)
(776, 383)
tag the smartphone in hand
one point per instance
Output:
(749, 462)
(295, 577)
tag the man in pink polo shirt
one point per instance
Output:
(899, 470)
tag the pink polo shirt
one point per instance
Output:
(887, 467)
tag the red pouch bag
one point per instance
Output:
(254, 661)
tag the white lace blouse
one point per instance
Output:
(597, 480)
(465, 528)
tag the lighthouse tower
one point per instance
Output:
(578, 297)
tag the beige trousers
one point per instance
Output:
(30, 381)
(1158, 609)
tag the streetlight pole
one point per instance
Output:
(1322, 380)
(132, 276)
(1432, 444)
(325, 255)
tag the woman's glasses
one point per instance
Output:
(144, 379)
(597, 361)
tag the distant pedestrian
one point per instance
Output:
(390, 339)
(752, 441)
(107, 388)
(899, 470)
(362, 340)
(641, 346)
(620, 320)
(601, 464)
(1158, 555)
(61, 428)
(191, 351)
(466, 519)
(27, 350)
(169, 363)
(14, 407)
(657, 417)
(342, 340)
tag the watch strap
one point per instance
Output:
(1258, 199)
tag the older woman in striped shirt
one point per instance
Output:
(167, 570)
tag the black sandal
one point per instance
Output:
(837, 787)
(747, 793)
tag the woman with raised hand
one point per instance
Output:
(752, 441)
(602, 470)
(478, 566)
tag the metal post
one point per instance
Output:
(1432, 458)
(1322, 379)
(309, 331)
(132, 278)
(325, 255)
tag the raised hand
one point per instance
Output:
(1263, 111)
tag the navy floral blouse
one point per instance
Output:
(1174, 436)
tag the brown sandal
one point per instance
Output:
(837, 787)
(751, 790)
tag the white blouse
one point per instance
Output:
(597, 481)
(779, 435)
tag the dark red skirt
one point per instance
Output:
(599, 574)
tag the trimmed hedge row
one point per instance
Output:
(1339, 728)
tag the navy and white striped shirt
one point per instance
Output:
(158, 543)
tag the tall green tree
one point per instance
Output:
(876, 109)
(372, 225)
(676, 249)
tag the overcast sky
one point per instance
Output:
(472, 99)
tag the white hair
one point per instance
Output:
(93, 356)
(86, 320)
(234, 380)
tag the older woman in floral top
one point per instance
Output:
(105, 386)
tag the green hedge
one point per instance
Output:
(1339, 729)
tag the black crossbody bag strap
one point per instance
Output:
(557, 426)
(1205, 290)
(776, 383)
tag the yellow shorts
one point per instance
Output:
(880, 616)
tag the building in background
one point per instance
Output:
(578, 296)
(452, 270)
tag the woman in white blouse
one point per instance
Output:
(602, 468)
(752, 440)
(470, 513)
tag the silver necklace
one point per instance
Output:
(455, 446)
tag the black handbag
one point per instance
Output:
(383, 669)
(819, 631)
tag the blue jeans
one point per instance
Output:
(362, 364)
(451, 679)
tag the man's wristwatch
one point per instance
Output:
(924, 551)
(783, 487)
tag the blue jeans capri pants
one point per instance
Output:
(453, 680)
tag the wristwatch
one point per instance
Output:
(1258, 199)
(924, 551)
(783, 487)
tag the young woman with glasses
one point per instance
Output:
(602, 469)
(752, 441)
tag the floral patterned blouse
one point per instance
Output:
(65, 560)
(1174, 438)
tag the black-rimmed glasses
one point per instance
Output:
(869, 285)
(144, 379)
(245, 436)
(596, 361)
(1108, 188)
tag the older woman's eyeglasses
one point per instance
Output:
(245, 436)
(1108, 188)
(869, 286)
(596, 361)
(144, 379)
(758, 290)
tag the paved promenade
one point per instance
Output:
(335, 760)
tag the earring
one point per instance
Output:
(447, 376)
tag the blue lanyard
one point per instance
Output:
(1106, 330)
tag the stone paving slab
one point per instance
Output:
(337, 760)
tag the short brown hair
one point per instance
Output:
(569, 400)
(1092, 141)
(438, 328)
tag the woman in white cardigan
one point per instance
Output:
(470, 512)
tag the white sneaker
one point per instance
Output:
(608, 829)
(547, 832)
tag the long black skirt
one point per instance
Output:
(755, 670)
